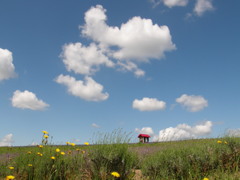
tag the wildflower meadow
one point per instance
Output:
(112, 157)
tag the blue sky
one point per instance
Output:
(169, 68)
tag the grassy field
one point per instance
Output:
(113, 157)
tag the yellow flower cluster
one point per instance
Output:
(10, 177)
(58, 150)
(69, 143)
(44, 132)
(115, 174)
(220, 142)
(53, 158)
(39, 154)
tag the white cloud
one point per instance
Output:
(202, 6)
(6, 65)
(84, 59)
(148, 104)
(88, 89)
(145, 130)
(95, 125)
(130, 66)
(184, 131)
(172, 3)
(34, 143)
(192, 103)
(233, 132)
(7, 140)
(137, 40)
(27, 100)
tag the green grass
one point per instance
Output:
(180, 160)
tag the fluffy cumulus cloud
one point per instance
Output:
(135, 41)
(202, 6)
(192, 103)
(84, 59)
(145, 130)
(148, 104)
(27, 100)
(7, 69)
(88, 89)
(7, 140)
(233, 132)
(184, 131)
(172, 3)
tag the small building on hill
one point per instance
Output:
(143, 138)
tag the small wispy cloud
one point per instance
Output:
(203, 6)
(95, 125)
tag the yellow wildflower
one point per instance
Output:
(29, 152)
(53, 157)
(205, 179)
(11, 167)
(219, 142)
(45, 132)
(68, 143)
(115, 174)
(10, 177)
(86, 143)
(45, 136)
(225, 142)
(30, 165)
(77, 149)
(40, 146)
(62, 153)
(73, 144)
(57, 150)
(40, 154)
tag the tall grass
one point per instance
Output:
(194, 160)
(111, 154)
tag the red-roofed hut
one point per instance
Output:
(143, 138)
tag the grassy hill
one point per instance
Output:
(113, 157)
